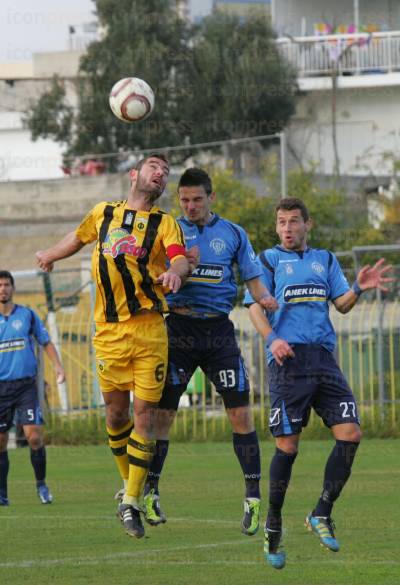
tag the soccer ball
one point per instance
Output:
(131, 99)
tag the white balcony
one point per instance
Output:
(375, 57)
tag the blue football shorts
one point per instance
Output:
(19, 400)
(312, 379)
(210, 344)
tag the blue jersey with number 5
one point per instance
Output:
(17, 334)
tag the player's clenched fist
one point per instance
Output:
(44, 261)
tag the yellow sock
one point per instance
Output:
(118, 440)
(140, 454)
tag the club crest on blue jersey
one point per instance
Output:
(17, 324)
(218, 245)
(207, 273)
(302, 293)
(317, 267)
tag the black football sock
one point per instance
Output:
(247, 451)
(280, 471)
(337, 472)
(4, 467)
(38, 460)
(156, 466)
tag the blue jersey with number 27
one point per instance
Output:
(212, 288)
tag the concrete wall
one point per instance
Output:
(65, 199)
(64, 63)
(365, 130)
(36, 214)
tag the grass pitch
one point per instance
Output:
(78, 540)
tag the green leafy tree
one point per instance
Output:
(141, 39)
(52, 116)
(239, 83)
(220, 80)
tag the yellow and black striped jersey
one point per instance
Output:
(131, 252)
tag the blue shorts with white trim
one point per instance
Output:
(209, 344)
(19, 400)
(312, 379)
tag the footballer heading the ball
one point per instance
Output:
(131, 99)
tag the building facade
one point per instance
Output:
(242, 8)
(347, 55)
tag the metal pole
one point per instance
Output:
(282, 137)
(273, 14)
(40, 378)
(53, 330)
(381, 368)
(357, 15)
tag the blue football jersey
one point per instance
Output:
(17, 333)
(212, 288)
(303, 283)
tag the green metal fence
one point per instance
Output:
(367, 351)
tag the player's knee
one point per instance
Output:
(35, 441)
(240, 419)
(351, 433)
(354, 435)
(288, 445)
(164, 420)
(116, 417)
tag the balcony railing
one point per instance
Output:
(352, 54)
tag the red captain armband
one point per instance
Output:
(175, 250)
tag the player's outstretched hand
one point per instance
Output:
(44, 261)
(269, 303)
(170, 280)
(193, 257)
(374, 276)
(281, 350)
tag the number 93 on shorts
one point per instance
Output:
(132, 355)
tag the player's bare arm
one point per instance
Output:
(279, 348)
(174, 277)
(261, 294)
(369, 277)
(52, 354)
(67, 246)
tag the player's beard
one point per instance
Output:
(152, 191)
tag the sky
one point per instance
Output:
(33, 26)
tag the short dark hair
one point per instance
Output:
(290, 203)
(158, 155)
(5, 274)
(195, 177)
